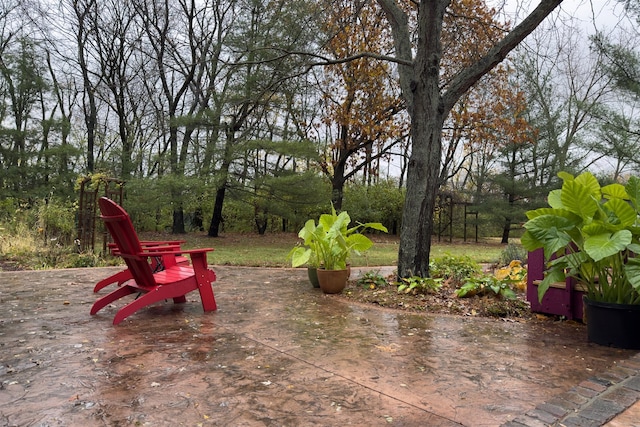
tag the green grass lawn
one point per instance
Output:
(271, 250)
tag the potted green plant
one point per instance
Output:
(328, 244)
(592, 233)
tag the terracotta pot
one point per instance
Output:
(333, 281)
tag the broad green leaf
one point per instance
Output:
(551, 231)
(335, 225)
(363, 226)
(507, 293)
(596, 228)
(327, 220)
(529, 242)
(307, 230)
(615, 191)
(359, 242)
(565, 176)
(603, 245)
(632, 271)
(589, 181)
(575, 219)
(554, 199)
(376, 226)
(578, 199)
(623, 214)
(300, 256)
(634, 247)
(633, 190)
(538, 212)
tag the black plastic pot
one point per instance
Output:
(613, 325)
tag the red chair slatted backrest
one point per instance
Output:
(125, 237)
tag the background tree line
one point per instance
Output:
(215, 118)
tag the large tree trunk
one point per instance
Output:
(506, 230)
(427, 120)
(178, 220)
(89, 102)
(422, 184)
(216, 218)
(337, 186)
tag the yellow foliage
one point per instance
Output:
(514, 271)
(361, 96)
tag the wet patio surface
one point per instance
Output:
(276, 353)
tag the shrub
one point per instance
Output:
(513, 252)
(501, 284)
(56, 221)
(455, 268)
(8, 207)
(381, 202)
(17, 240)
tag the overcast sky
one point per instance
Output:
(600, 15)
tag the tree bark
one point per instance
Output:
(89, 103)
(337, 184)
(216, 218)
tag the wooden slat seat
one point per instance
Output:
(157, 263)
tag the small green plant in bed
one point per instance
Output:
(487, 284)
(419, 285)
(372, 280)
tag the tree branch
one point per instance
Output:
(322, 60)
(470, 75)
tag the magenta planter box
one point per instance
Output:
(562, 299)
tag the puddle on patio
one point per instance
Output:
(277, 352)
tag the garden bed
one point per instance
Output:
(442, 301)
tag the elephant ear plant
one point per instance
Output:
(591, 233)
(330, 243)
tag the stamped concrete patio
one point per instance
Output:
(280, 353)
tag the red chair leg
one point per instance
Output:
(207, 297)
(157, 294)
(109, 298)
(205, 277)
(119, 277)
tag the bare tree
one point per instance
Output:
(565, 85)
(175, 45)
(259, 76)
(82, 10)
(429, 103)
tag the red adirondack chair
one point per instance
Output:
(157, 263)
(174, 281)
